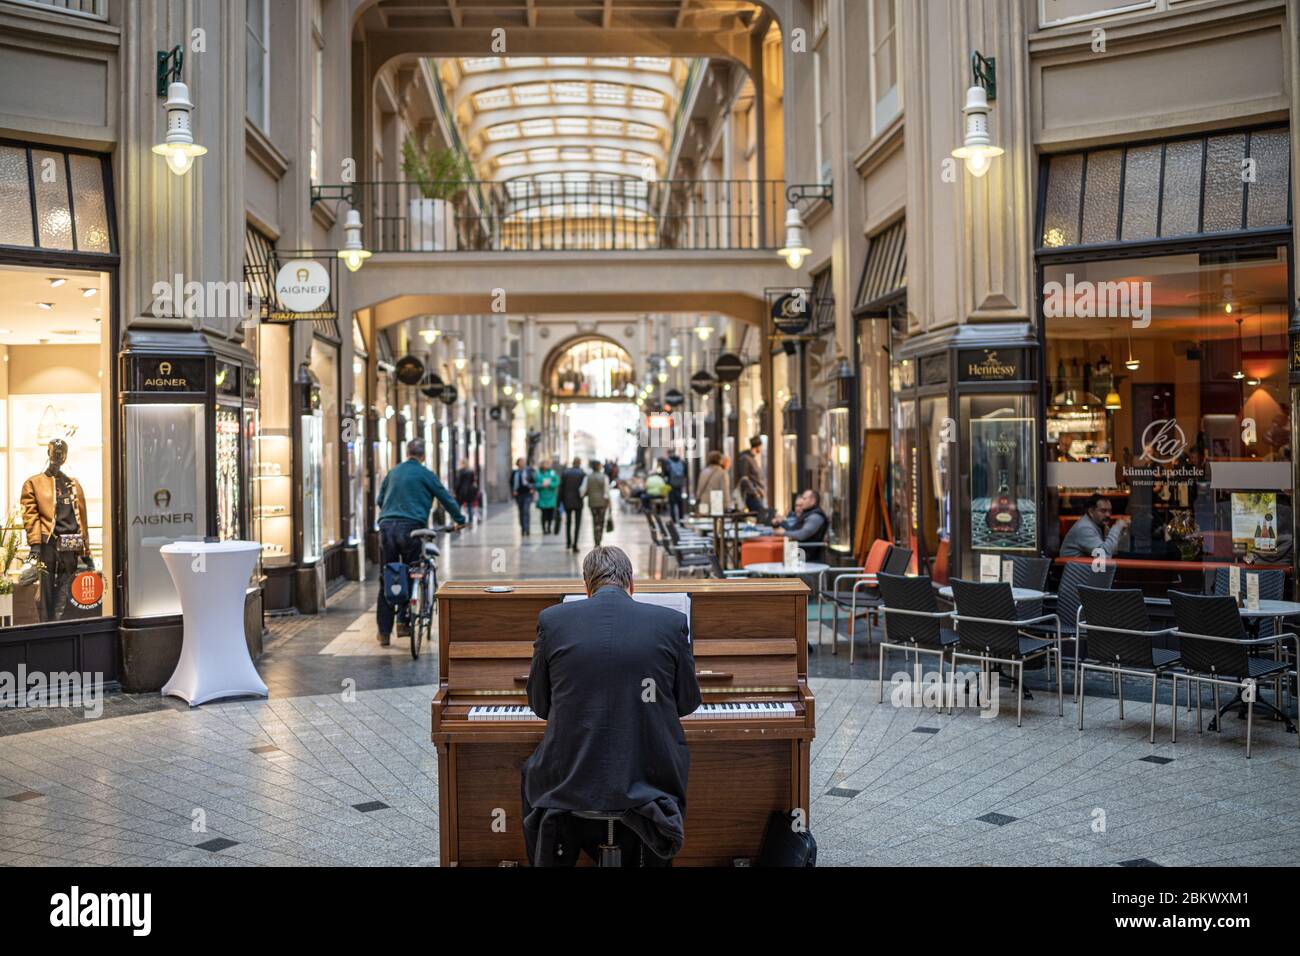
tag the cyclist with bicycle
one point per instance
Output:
(405, 501)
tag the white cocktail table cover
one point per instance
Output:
(211, 579)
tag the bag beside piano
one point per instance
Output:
(783, 845)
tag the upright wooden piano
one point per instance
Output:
(750, 643)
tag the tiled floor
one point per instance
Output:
(337, 768)
(330, 780)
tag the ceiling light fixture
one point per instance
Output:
(56, 281)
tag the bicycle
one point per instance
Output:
(424, 585)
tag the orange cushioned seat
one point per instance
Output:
(762, 551)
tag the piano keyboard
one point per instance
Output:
(738, 710)
(502, 712)
(741, 709)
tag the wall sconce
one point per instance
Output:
(977, 149)
(354, 252)
(485, 374)
(179, 148)
(431, 335)
(704, 331)
(674, 354)
(795, 249)
(460, 361)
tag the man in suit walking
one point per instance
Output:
(522, 481)
(571, 498)
(612, 678)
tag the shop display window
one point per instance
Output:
(229, 501)
(936, 473)
(838, 477)
(55, 464)
(311, 428)
(166, 498)
(272, 464)
(324, 365)
(905, 457)
(1168, 392)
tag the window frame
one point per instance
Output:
(879, 121)
(262, 43)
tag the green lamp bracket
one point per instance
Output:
(169, 68)
(984, 70)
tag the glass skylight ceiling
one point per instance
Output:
(569, 117)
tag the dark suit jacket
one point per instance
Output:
(570, 482)
(606, 746)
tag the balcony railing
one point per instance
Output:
(97, 9)
(587, 215)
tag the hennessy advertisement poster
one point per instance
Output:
(1003, 511)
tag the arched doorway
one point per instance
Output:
(591, 388)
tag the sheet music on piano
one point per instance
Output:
(678, 601)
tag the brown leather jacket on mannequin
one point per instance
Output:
(39, 510)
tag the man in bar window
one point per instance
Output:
(1095, 530)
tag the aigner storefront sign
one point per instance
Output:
(156, 374)
(991, 365)
(302, 290)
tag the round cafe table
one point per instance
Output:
(775, 569)
(211, 578)
(1017, 594)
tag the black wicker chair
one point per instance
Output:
(1075, 575)
(990, 633)
(1030, 573)
(913, 622)
(870, 600)
(1119, 643)
(1215, 651)
(1272, 587)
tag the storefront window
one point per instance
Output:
(56, 412)
(310, 428)
(906, 457)
(839, 443)
(273, 466)
(935, 472)
(1169, 394)
(325, 366)
(1000, 435)
(166, 495)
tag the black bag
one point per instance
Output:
(785, 846)
(609, 525)
(396, 578)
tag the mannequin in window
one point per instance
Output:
(54, 517)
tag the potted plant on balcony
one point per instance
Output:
(439, 175)
(9, 542)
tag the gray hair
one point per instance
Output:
(415, 448)
(604, 566)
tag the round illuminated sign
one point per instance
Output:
(728, 367)
(302, 285)
(674, 398)
(432, 385)
(790, 313)
(409, 370)
(449, 395)
(703, 382)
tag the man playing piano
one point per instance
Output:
(612, 678)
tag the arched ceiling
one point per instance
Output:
(565, 118)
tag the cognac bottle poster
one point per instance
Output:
(1003, 510)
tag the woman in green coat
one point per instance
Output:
(548, 489)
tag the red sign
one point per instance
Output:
(87, 589)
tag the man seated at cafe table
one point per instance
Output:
(1095, 530)
(807, 522)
